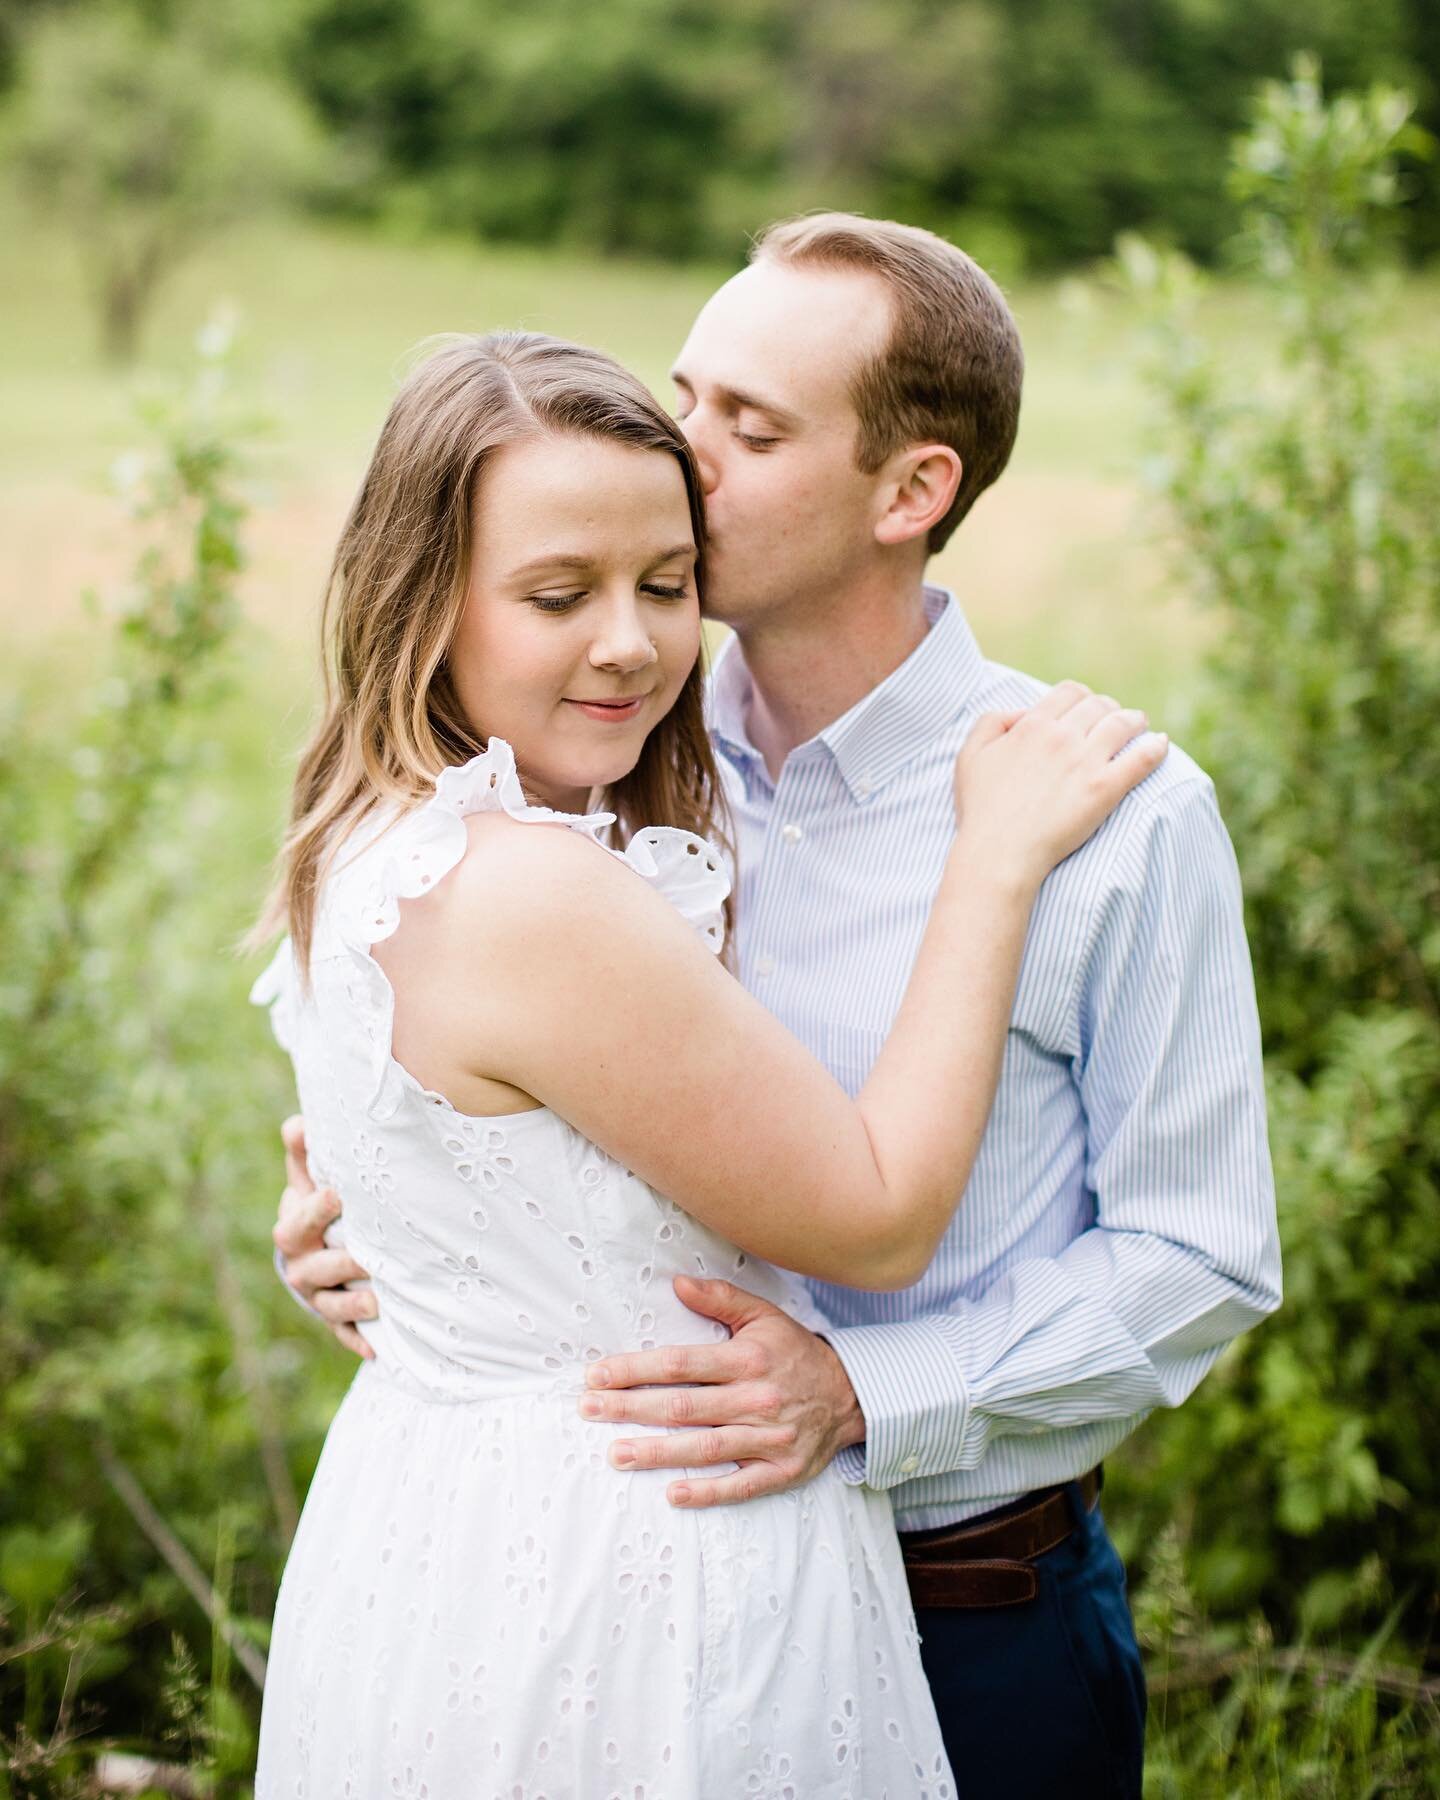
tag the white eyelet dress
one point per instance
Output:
(477, 1606)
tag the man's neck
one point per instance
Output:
(806, 672)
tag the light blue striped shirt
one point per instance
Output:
(1119, 1226)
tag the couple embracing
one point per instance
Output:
(774, 1141)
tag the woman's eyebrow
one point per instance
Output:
(557, 560)
(685, 549)
(560, 560)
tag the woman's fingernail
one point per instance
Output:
(679, 1494)
(597, 1375)
(622, 1456)
(591, 1408)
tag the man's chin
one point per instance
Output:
(730, 602)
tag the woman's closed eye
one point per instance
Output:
(555, 602)
(560, 603)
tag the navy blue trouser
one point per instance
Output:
(1045, 1699)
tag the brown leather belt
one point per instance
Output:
(988, 1562)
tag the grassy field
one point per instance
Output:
(1058, 566)
(1053, 564)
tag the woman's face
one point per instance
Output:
(582, 621)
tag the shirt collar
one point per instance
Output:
(872, 742)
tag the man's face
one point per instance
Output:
(763, 386)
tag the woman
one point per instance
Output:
(511, 1042)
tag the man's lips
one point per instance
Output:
(610, 712)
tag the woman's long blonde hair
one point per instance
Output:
(390, 718)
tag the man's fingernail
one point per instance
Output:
(679, 1494)
(597, 1375)
(622, 1456)
(591, 1408)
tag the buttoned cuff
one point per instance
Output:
(914, 1399)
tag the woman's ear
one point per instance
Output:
(921, 490)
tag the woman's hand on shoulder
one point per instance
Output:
(1031, 786)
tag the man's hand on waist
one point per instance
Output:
(775, 1399)
(315, 1273)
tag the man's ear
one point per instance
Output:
(921, 490)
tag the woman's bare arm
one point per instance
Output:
(544, 964)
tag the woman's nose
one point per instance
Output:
(623, 643)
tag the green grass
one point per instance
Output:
(1057, 567)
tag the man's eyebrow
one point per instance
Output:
(738, 398)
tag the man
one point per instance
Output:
(848, 396)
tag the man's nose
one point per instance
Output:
(694, 428)
(622, 641)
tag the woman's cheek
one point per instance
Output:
(687, 643)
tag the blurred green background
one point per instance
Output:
(225, 231)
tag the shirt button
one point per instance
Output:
(792, 834)
(865, 787)
(910, 1465)
(764, 965)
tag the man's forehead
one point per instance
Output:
(788, 333)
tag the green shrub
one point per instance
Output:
(146, 1486)
(1305, 513)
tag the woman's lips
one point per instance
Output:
(609, 712)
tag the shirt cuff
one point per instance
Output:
(914, 1399)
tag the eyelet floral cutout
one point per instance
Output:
(477, 1601)
(477, 1150)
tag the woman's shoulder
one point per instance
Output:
(541, 900)
(483, 858)
(526, 885)
(507, 861)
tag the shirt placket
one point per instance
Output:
(777, 884)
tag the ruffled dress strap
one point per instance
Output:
(403, 855)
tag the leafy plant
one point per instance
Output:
(1304, 512)
(1231, 1714)
(142, 142)
(125, 1127)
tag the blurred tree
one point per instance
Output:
(1033, 130)
(1116, 114)
(142, 141)
(564, 123)
(673, 128)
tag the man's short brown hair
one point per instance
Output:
(951, 371)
